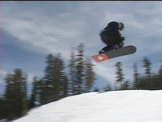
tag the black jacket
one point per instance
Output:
(112, 27)
(110, 34)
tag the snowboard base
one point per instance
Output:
(100, 57)
(116, 53)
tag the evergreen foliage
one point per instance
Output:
(54, 80)
(146, 65)
(89, 75)
(80, 69)
(126, 85)
(136, 77)
(72, 74)
(81, 72)
(119, 72)
(35, 93)
(16, 93)
(56, 83)
(120, 76)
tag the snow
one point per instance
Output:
(114, 106)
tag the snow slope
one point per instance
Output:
(114, 106)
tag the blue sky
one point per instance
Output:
(32, 29)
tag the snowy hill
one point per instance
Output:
(114, 106)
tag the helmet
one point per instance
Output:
(121, 26)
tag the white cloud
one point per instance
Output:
(3, 72)
(51, 29)
(49, 33)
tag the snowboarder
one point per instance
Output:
(111, 36)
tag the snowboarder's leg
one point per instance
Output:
(119, 45)
(106, 49)
(111, 47)
(108, 41)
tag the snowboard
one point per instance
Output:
(115, 53)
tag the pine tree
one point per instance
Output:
(65, 88)
(119, 73)
(80, 69)
(16, 91)
(89, 75)
(63, 82)
(7, 109)
(81, 72)
(136, 77)
(52, 81)
(126, 85)
(146, 65)
(72, 73)
(160, 70)
(46, 82)
(35, 93)
(160, 76)
(151, 81)
(43, 94)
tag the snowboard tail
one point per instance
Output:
(116, 53)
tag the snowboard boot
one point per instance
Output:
(101, 51)
(118, 45)
(106, 49)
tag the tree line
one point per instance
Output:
(60, 81)
(56, 83)
(147, 81)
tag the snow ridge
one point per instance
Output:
(114, 106)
